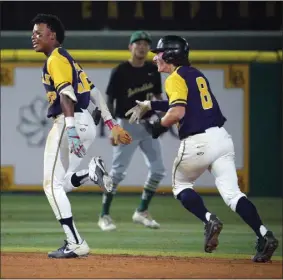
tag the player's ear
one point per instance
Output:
(53, 36)
(130, 47)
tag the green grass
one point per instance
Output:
(28, 224)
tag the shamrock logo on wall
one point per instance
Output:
(34, 125)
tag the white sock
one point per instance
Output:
(263, 230)
(207, 216)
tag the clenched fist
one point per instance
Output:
(120, 135)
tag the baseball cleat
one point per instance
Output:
(99, 175)
(211, 233)
(265, 248)
(106, 223)
(70, 250)
(145, 219)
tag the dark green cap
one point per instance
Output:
(140, 35)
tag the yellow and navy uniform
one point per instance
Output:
(188, 87)
(61, 70)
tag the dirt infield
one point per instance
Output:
(31, 265)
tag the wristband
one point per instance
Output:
(70, 121)
(110, 124)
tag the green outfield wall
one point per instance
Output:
(266, 129)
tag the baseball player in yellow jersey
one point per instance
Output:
(205, 144)
(69, 92)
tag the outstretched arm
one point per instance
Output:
(160, 105)
(137, 112)
(173, 116)
(97, 98)
(119, 134)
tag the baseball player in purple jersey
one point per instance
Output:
(69, 92)
(205, 145)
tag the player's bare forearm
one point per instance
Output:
(67, 105)
(160, 105)
(174, 115)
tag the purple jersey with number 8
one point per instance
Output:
(188, 87)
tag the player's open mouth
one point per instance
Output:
(34, 44)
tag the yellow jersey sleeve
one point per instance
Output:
(61, 71)
(177, 90)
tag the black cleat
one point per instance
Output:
(265, 247)
(212, 231)
(70, 251)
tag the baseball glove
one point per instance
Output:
(120, 135)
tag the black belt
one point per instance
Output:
(197, 132)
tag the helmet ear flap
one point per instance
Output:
(170, 56)
(166, 56)
(186, 48)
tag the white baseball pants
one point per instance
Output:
(60, 164)
(212, 150)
